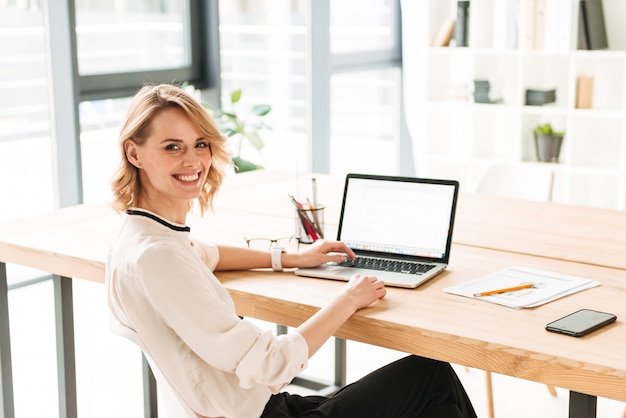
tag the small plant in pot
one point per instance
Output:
(242, 129)
(548, 143)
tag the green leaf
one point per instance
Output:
(229, 115)
(229, 132)
(545, 129)
(261, 109)
(254, 139)
(242, 165)
(235, 95)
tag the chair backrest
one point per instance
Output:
(521, 181)
(174, 405)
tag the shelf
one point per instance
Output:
(457, 138)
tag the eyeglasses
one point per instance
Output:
(269, 243)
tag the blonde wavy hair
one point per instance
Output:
(147, 103)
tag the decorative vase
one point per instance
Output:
(548, 147)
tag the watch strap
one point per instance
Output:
(277, 252)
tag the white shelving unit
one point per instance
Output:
(456, 138)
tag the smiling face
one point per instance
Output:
(173, 164)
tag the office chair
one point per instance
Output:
(175, 405)
(520, 181)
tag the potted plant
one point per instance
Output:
(548, 143)
(242, 128)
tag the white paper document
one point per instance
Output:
(546, 286)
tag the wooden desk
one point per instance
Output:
(564, 232)
(426, 321)
(553, 230)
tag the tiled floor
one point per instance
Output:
(108, 367)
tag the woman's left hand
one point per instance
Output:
(319, 252)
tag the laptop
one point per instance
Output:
(400, 229)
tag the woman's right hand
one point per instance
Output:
(362, 291)
(359, 292)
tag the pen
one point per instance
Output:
(314, 191)
(316, 222)
(306, 223)
(508, 289)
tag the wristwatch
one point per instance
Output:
(276, 255)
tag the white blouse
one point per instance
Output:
(161, 285)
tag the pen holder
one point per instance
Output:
(310, 224)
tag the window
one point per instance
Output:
(364, 126)
(26, 187)
(366, 87)
(362, 26)
(115, 37)
(123, 45)
(264, 52)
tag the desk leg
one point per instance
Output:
(325, 388)
(66, 367)
(582, 405)
(150, 405)
(340, 363)
(6, 374)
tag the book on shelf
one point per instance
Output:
(446, 31)
(506, 24)
(584, 92)
(558, 17)
(536, 97)
(459, 91)
(546, 25)
(564, 15)
(539, 34)
(481, 91)
(461, 28)
(528, 27)
(591, 25)
(581, 35)
(534, 28)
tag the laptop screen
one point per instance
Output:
(402, 216)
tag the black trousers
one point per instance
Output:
(410, 387)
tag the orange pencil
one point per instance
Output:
(508, 289)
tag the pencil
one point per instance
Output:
(508, 289)
(307, 224)
(316, 222)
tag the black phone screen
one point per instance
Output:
(581, 322)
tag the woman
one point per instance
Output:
(161, 286)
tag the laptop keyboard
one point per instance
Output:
(407, 267)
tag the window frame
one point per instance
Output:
(202, 71)
(323, 64)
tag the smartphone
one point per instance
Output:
(581, 322)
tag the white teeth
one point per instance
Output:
(188, 178)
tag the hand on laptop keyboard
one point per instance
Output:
(387, 265)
